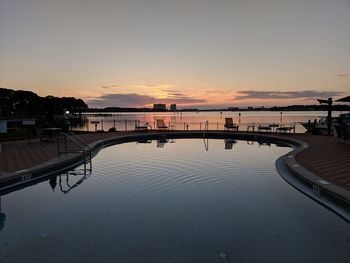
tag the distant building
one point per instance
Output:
(173, 107)
(159, 106)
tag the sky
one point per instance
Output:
(195, 53)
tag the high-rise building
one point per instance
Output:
(159, 106)
(173, 107)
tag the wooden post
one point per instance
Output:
(126, 126)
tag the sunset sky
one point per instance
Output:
(196, 53)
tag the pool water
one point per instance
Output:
(188, 200)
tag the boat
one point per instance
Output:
(322, 125)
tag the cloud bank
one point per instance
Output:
(137, 100)
(217, 91)
(109, 87)
(305, 94)
(344, 75)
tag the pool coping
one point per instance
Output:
(66, 162)
(298, 184)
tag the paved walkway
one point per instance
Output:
(324, 157)
(19, 155)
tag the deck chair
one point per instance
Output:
(284, 128)
(265, 128)
(230, 125)
(141, 127)
(161, 125)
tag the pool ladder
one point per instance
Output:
(81, 144)
(206, 141)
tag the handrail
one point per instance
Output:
(188, 124)
(78, 142)
(206, 143)
(82, 141)
(80, 181)
(206, 128)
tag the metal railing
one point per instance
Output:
(129, 125)
(83, 146)
(206, 128)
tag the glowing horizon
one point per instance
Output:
(192, 53)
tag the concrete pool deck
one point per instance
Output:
(322, 159)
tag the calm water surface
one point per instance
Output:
(181, 201)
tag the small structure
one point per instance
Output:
(173, 107)
(159, 107)
(95, 123)
(13, 124)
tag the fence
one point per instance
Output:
(130, 125)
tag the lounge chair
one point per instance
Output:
(230, 125)
(264, 128)
(284, 128)
(141, 127)
(161, 125)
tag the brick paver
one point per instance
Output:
(324, 157)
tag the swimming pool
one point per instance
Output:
(184, 200)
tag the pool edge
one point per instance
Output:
(69, 161)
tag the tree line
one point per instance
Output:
(27, 104)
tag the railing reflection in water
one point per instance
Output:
(68, 181)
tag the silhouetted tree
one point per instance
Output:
(28, 104)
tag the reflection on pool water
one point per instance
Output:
(188, 200)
